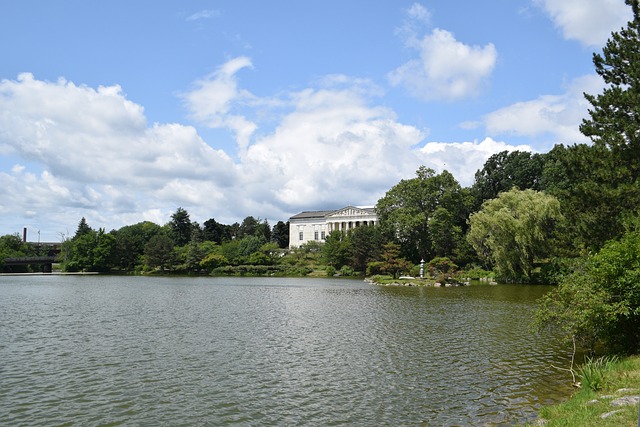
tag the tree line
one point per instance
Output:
(179, 246)
(569, 217)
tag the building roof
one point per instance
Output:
(311, 214)
(323, 214)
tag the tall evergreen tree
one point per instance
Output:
(615, 117)
(280, 234)
(180, 226)
(213, 231)
(83, 228)
(599, 185)
(248, 227)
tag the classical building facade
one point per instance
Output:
(316, 225)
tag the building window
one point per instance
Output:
(315, 235)
(322, 235)
(301, 234)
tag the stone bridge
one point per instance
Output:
(45, 261)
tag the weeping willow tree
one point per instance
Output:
(515, 230)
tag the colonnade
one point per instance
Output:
(347, 225)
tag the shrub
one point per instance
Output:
(374, 268)
(347, 271)
(599, 303)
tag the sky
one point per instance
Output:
(123, 111)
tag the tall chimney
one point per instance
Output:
(24, 235)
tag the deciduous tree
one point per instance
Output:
(130, 243)
(515, 230)
(600, 302)
(414, 209)
(505, 170)
(158, 252)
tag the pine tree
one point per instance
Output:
(83, 228)
(615, 116)
(180, 226)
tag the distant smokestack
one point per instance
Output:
(24, 235)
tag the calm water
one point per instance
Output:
(101, 350)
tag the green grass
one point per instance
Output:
(585, 408)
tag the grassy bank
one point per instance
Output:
(597, 402)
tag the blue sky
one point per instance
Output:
(123, 111)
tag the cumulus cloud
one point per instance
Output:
(212, 98)
(418, 17)
(463, 159)
(558, 116)
(97, 135)
(90, 152)
(95, 151)
(445, 69)
(333, 148)
(588, 21)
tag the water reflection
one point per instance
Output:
(178, 351)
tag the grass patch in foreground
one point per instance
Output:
(587, 407)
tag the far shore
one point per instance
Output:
(55, 273)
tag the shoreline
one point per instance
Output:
(78, 273)
(615, 402)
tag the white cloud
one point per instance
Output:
(418, 17)
(587, 21)
(203, 14)
(95, 156)
(213, 97)
(332, 149)
(90, 135)
(446, 69)
(97, 153)
(463, 159)
(558, 116)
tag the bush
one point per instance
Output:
(599, 303)
(441, 265)
(347, 271)
(556, 269)
(374, 268)
(477, 273)
(331, 271)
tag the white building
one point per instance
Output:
(316, 225)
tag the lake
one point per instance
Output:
(177, 351)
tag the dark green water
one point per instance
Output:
(104, 350)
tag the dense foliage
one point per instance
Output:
(427, 214)
(566, 217)
(180, 246)
(599, 303)
(514, 231)
(11, 246)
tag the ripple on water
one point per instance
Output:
(121, 351)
